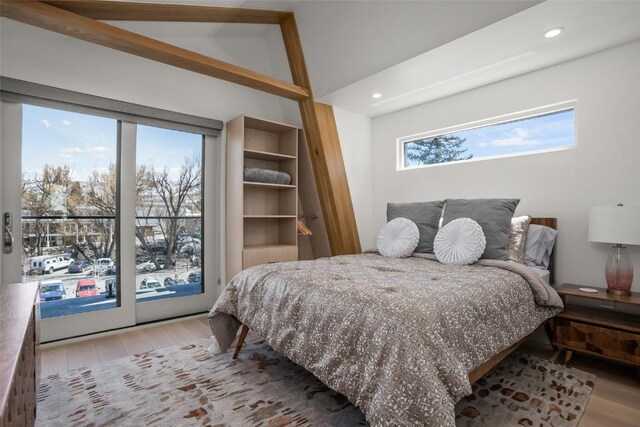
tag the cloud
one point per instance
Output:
(66, 122)
(95, 152)
(72, 150)
(517, 137)
(45, 122)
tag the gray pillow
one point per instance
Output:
(493, 215)
(426, 215)
(540, 242)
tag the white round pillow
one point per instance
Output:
(460, 242)
(398, 238)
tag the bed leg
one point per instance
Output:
(243, 335)
(549, 330)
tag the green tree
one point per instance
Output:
(438, 149)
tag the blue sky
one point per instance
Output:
(532, 134)
(86, 143)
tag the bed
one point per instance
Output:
(404, 354)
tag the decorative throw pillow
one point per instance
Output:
(426, 216)
(539, 246)
(518, 238)
(398, 238)
(460, 242)
(493, 215)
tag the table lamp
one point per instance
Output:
(619, 225)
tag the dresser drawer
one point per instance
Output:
(268, 254)
(607, 342)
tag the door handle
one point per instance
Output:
(8, 239)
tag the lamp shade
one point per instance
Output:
(615, 224)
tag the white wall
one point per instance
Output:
(604, 168)
(41, 56)
(354, 131)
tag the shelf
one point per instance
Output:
(266, 155)
(261, 247)
(610, 319)
(270, 216)
(266, 185)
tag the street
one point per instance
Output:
(72, 305)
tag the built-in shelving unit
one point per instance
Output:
(261, 217)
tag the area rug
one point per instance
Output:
(188, 386)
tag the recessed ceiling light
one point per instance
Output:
(553, 32)
(376, 95)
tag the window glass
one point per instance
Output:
(527, 135)
(168, 214)
(68, 206)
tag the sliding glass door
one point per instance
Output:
(109, 217)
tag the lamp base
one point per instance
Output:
(619, 271)
(618, 293)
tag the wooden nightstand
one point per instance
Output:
(596, 331)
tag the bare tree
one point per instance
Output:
(39, 197)
(173, 194)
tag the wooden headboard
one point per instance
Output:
(552, 223)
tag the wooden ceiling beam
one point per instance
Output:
(61, 21)
(130, 11)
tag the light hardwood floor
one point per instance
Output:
(615, 400)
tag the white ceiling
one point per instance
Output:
(346, 41)
(416, 51)
(505, 49)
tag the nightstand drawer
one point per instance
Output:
(607, 342)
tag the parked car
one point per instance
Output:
(49, 263)
(150, 283)
(110, 288)
(79, 266)
(105, 266)
(142, 258)
(86, 288)
(190, 248)
(159, 246)
(52, 290)
(195, 277)
(145, 267)
(170, 281)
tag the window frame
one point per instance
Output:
(127, 312)
(496, 120)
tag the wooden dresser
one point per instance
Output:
(19, 358)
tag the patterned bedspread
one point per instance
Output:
(397, 337)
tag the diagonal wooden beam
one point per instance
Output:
(129, 11)
(330, 175)
(325, 152)
(67, 23)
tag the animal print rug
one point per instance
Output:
(188, 386)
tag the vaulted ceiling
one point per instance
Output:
(412, 51)
(346, 41)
